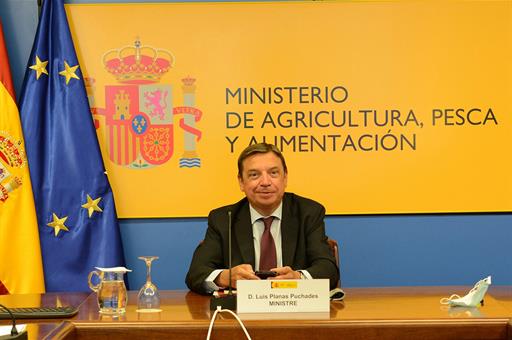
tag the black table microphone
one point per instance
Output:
(226, 301)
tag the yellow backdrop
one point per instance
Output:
(379, 107)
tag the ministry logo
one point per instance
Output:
(138, 117)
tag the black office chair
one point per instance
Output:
(337, 293)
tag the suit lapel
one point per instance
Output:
(289, 231)
(243, 231)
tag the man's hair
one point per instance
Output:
(259, 148)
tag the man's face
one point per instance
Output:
(263, 181)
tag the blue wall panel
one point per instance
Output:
(423, 250)
(375, 250)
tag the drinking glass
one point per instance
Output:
(149, 298)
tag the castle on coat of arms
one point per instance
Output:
(137, 122)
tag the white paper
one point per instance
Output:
(114, 269)
(6, 330)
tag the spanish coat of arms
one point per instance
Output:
(138, 118)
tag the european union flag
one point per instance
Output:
(78, 226)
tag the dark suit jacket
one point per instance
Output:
(304, 244)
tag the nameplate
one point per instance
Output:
(282, 296)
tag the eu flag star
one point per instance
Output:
(92, 205)
(58, 224)
(69, 72)
(39, 67)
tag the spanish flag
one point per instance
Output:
(21, 269)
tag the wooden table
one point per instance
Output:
(366, 313)
(503, 294)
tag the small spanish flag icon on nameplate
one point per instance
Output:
(284, 284)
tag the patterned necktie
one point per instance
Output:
(268, 257)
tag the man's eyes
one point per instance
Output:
(272, 173)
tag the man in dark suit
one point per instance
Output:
(271, 230)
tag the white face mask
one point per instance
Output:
(471, 299)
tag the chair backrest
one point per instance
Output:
(333, 244)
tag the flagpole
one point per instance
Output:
(39, 6)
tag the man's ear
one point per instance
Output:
(241, 183)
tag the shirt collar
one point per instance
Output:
(256, 215)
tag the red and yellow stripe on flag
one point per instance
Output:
(21, 269)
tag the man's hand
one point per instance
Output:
(240, 272)
(285, 273)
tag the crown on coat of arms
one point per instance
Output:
(138, 64)
(188, 81)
